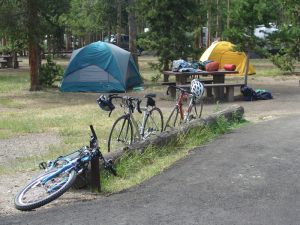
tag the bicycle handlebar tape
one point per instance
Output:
(139, 106)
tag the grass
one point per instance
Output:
(13, 81)
(134, 168)
(264, 67)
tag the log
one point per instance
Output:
(166, 137)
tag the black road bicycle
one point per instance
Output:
(126, 129)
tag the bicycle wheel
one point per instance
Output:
(200, 108)
(121, 134)
(196, 112)
(41, 191)
(173, 120)
(154, 123)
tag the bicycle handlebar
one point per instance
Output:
(178, 88)
(138, 107)
(128, 101)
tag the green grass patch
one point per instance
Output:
(134, 168)
(13, 82)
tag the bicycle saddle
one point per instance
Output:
(151, 95)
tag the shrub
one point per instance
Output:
(283, 62)
(50, 72)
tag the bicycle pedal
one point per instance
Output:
(43, 165)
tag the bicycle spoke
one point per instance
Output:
(153, 123)
(120, 135)
(173, 119)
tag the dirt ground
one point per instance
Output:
(286, 102)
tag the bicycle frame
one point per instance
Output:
(138, 128)
(184, 114)
(72, 164)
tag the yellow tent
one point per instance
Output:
(222, 52)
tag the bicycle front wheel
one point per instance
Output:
(196, 112)
(173, 120)
(199, 108)
(154, 123)
(44, 189)
(121, 134)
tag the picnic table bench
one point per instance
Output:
(217, 84)
(172, 91)
(228, 95)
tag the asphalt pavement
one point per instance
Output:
(248, 176)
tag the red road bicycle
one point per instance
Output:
(178, 114)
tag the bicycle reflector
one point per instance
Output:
(105, 104)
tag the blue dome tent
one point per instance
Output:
(100, 67)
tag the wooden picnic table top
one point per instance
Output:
(219, 72)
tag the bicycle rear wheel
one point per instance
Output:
(154, 123)
(121, 134)
(173, 120)
(41, 191)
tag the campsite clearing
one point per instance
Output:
(65, 118)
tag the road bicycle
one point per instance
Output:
(178, 114)
(59, 175)
(126, 129)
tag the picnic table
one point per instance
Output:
(8, 61)
(218, 82)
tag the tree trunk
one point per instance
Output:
(166, 67)
(217, 21)
(119, 21)
(228, 14)
(132, 30)
(33, 45)
(208, 23)
(197, 34)
(4, 41)
(68, 41)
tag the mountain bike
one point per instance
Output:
(178, 115)
(126, 129)
(59, 175)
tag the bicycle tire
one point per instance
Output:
(21, 196)
(154, 123)
(173, 119)
(197, 110)
(114, 141)
(201, 108)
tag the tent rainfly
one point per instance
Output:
(100, 67)
(222, 52)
